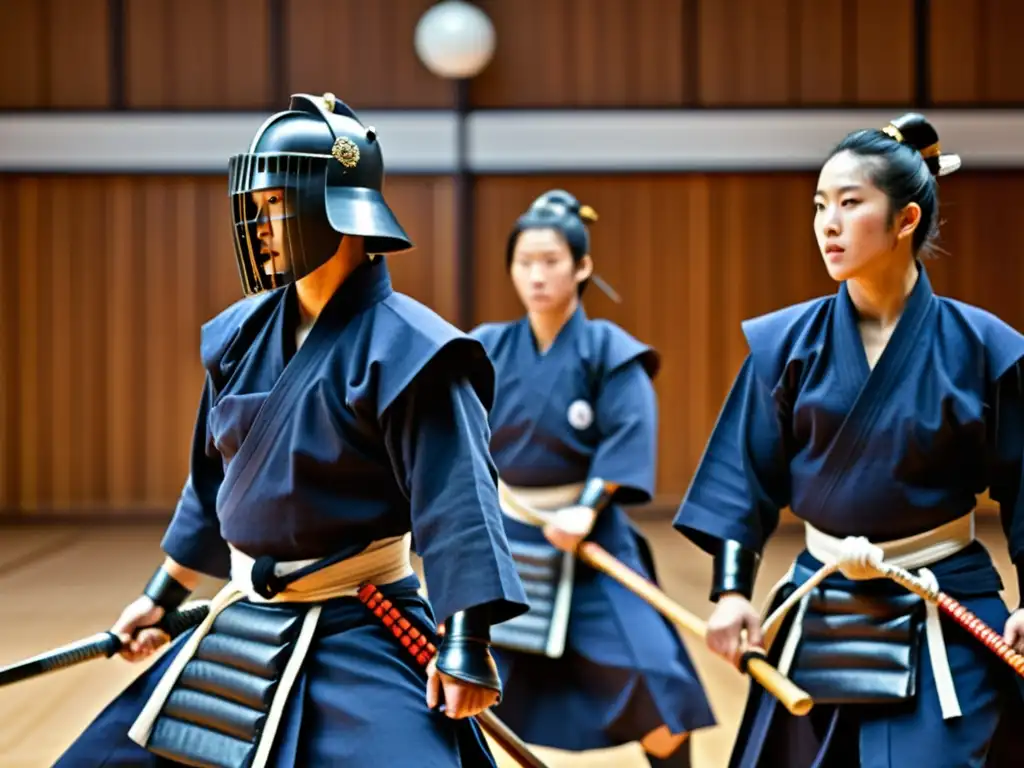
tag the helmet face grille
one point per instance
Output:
(251, 172)
(302, 225)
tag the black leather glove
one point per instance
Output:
(166, 591)
(1019, 565)
(465, 649)
(734, 571)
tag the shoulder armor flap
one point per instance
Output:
(774, 338)
(616, 347)
(413, 337)
(1003, 344)
(217, 334)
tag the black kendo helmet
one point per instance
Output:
(331, 169)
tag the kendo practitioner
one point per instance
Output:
(339, 422)
(574, 432)
(878, 412)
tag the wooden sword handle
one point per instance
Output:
(793, 698)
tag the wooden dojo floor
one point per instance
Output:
(61, 583)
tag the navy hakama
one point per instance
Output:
(887, 453)
(374, 428)
(587, 409)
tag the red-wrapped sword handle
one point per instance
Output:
(421, 644)
(952, 608)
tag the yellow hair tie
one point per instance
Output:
(892, 130)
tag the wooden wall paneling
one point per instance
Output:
(425, 206)
(979, 263)
(61, 336)
(688, 323)
(657, 71)
(885, 51)
(955, 63)
(745, 50)
(974, 55)
(196, 54)
(690, 268)
(219, 284)
(23, 63)
(585, 53)
(79, 54)
(112, 279)
(124, 330)
(806, 52)
(994, 248)
(362, 52)
(1001, 47)
(85, 367)
(499, 200)
(54, 54)
(48, 316)
(10, 352)
(821, 50)
(156, 244)
(32, 429)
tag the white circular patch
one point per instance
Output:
(581, 415)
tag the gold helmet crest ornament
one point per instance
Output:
(345, 152)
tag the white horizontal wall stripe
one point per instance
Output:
(414, 142)
(718, 140)
(522, 141)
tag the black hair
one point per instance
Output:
(906, 160)
(562, 212)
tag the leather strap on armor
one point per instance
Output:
(465, 649)
(735, 569)
(165, 590)
(250, 650)
(915, 552)
(547, 573)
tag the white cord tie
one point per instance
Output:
(859, 559)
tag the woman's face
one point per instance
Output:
(273, 256)
(543, 271)
(853, 221)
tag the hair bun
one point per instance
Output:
(913, 130)
(559, 198)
